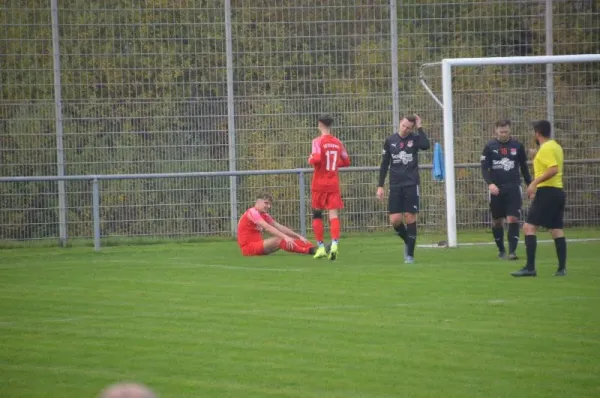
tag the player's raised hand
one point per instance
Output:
(418, 122)
(380, 193)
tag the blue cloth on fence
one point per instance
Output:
(438, 162)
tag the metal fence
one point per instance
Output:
(136, 205)
(98, 87)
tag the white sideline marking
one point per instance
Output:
(433, 245)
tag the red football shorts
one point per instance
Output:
(256, 248)
(327, 200)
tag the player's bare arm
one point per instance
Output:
(548, 174)
(273, 230)
(288, 232)
(315, 156)
(344, 158)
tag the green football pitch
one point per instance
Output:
(199, 320)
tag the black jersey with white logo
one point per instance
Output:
(401, 157)
(501, 162)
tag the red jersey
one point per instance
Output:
(328, 154)
(248, 230)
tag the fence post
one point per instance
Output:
(60, 153)
(394, 62)
(302, 204)
(549, 67)
(96, 213)
(231, 118)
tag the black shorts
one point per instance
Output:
(548, 208)
(404, 200)
(507, 203)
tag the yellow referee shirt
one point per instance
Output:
(550, 154)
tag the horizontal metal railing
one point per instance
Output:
(301, 172)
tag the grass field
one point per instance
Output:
(199, 320)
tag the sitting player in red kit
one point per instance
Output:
(256, 220)
(328, 154)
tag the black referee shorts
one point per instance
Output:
(548, 208)
(507, 203)
(404, 200)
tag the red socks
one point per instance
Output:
(318, 229)
(334, 225)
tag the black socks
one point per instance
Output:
(498, 233)
(401, 231)
(411, 238)
(513, 237)
(561, 252)
(531, 247)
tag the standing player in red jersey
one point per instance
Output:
(328, 154)
(256, 220)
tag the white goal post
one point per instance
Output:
(446, 104)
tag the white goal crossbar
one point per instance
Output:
(447, 107)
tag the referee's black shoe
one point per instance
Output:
(561, 272)
(524, 272)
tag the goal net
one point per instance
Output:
(475, 92)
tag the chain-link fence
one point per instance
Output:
(145, 89)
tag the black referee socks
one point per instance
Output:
(531, 247)
(561, 252)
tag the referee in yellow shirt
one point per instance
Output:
(548, 206)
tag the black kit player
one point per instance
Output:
(501, 160)
(401, 157)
